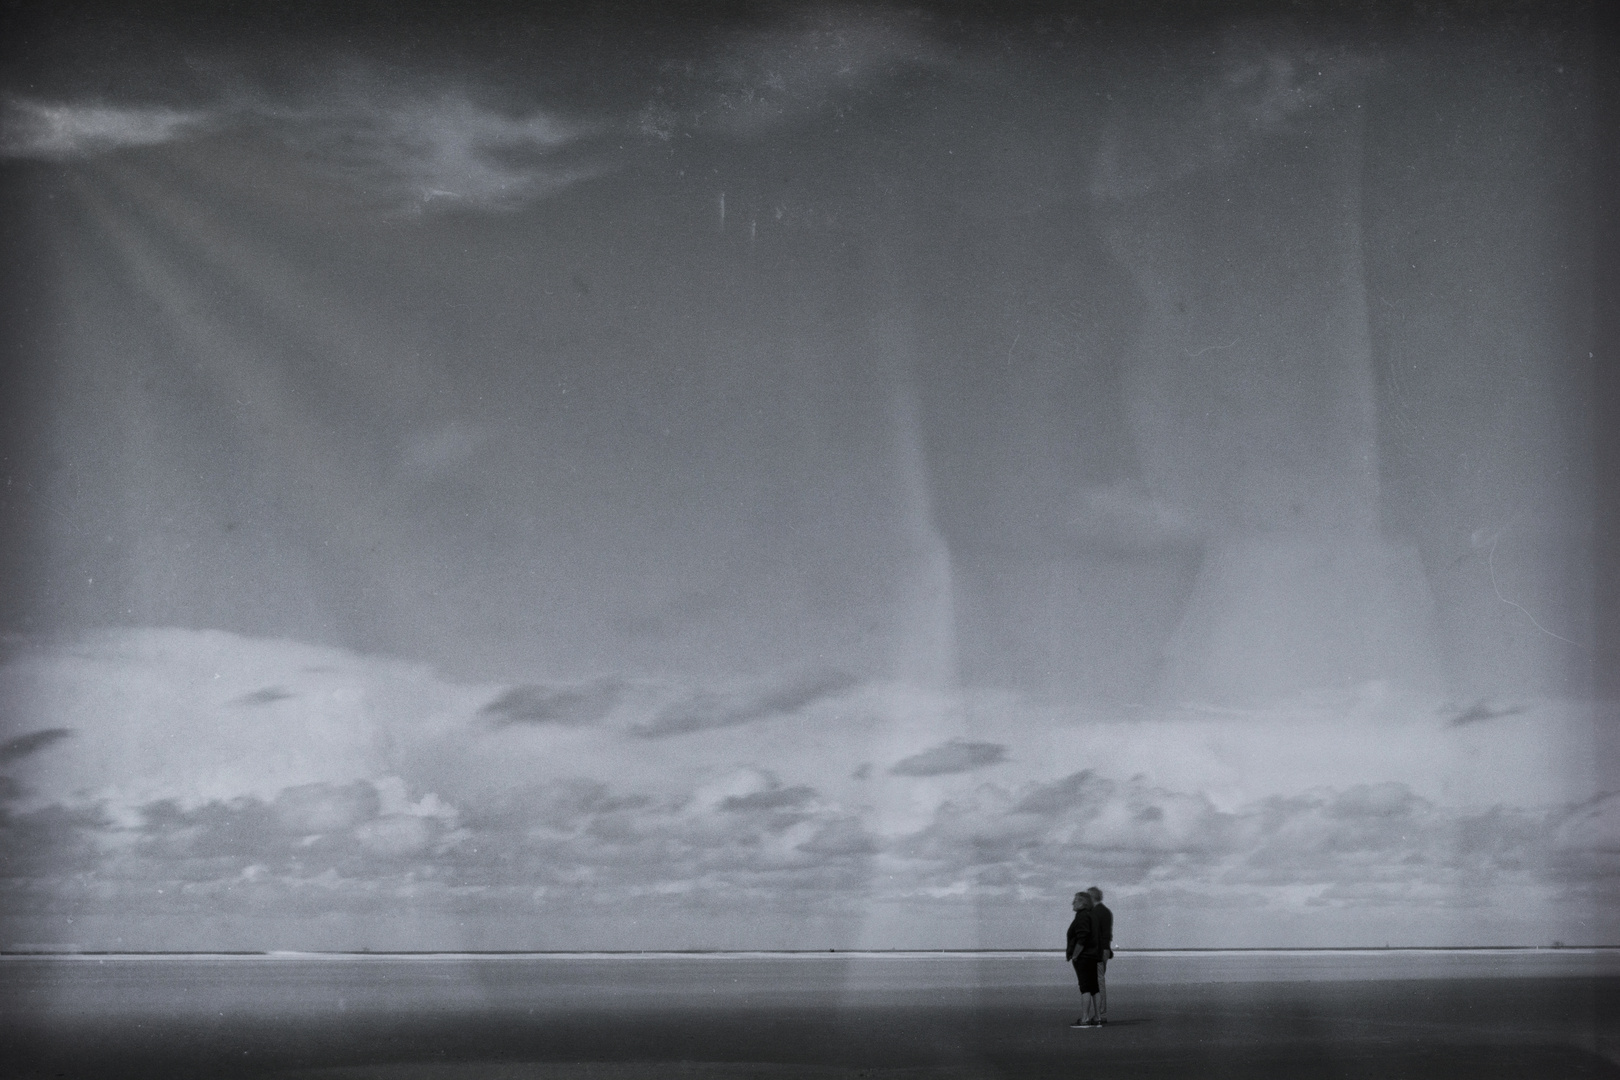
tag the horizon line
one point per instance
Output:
(70, 950)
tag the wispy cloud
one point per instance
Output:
(412, 145)
(65, 131)
(806, 66)
(446, 150)
(408, 148)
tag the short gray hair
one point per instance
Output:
(1096, 893)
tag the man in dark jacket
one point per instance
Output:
(1105, 934)
(1083, 952)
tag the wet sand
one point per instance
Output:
(765, 1017)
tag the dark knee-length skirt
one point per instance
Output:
(1086, 968)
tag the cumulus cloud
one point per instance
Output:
(705, 710)
(952, 757)
(744, 833)
(376, 784)
(1034, 833)
(1362, 845)
(308, 830)
(324, 808)
(63, 131)
(741, 829)
(396, 835)
(1586, 846)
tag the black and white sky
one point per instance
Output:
(803, 476)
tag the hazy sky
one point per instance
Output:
(801, 476)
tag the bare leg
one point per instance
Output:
(1102, 988)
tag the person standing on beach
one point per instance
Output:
(1083, 951)
(1105, 935)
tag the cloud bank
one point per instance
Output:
(362, 786)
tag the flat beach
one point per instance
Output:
(1375, 1014)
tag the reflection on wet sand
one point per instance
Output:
(1415, 1013)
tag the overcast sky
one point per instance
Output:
(804, 476)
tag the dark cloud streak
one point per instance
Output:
(21, 746)
(955, 756)
(705, 711)
(267, 696)
(569, 706)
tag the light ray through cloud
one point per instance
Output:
(238, 376)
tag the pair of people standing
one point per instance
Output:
(1091, 945)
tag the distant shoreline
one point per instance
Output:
(30, 951)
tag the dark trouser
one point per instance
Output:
(1102, 989)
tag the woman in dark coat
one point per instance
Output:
(1083, 951)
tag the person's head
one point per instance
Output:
(1095, 894)
(1082, 900)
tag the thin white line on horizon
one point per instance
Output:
(897, 954)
